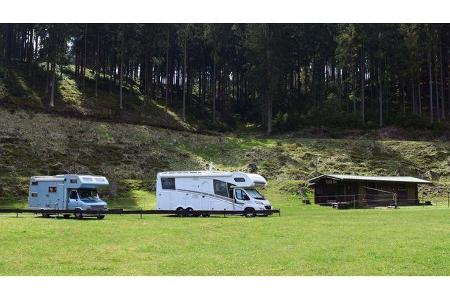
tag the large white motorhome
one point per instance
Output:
(190, 191)
(67, 192)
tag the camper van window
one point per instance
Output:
(220, 188)
(239, 179)
(73, 181)
(241, 195)
(73, 195)
(255, 194)
(88, 193)
(168, 183)
(34, 183)
(52, 189)
(34, 195)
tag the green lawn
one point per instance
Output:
(305, 240)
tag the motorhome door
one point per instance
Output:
(61, 203)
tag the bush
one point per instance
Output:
(407, 120)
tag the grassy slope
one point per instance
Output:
(131, 155)
(24, 88)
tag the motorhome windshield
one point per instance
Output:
(88, 194)
(254, 194)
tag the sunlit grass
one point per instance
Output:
(304, 240)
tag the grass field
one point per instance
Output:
(305, 240)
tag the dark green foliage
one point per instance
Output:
(228, 76)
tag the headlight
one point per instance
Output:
(259, 203)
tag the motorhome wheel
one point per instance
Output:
(249, 212)
(78, 214)
(100, 217)
(189, 212)
(179, 211)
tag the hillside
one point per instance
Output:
(33, 143)
(24, 88)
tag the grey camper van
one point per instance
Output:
(67, 192)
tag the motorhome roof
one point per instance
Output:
(47, 178)
(252, 179)
(86, 179)
(195, 173)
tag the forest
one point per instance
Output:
(274, 77)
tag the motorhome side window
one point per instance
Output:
(52, 189)
(168, 183)
(34, 195)
(220, 188)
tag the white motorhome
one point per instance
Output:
(67, 192)
(191, 191)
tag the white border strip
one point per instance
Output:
(199, 288)
(235, 11)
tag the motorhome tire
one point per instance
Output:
(249, 212)
(205, 215)
(179, 211)
(66, 216)
(189, 212)
(101, 217)
(78, 214)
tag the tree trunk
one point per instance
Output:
(380, 96)
(97, 64)
(354, 79)
(84, 61)
(363, 71)
(214, 88)
(30, 52)
(414, 102)
(167, 68)
(430, 76)
(53, 83)
(402, 87)
(436, 84)
(269, 114)
(442, 84)
(150, 78)
(121, 76)
(185, 77)
(47, 73)
(419, 96)
(144, 78)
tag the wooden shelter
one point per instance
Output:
(360, 191)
